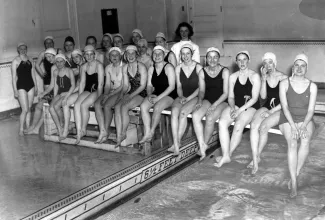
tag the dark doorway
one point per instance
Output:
(110, 21)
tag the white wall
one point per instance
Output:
(89, 18)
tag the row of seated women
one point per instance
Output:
(210, 92)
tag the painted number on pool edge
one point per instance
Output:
(167, 163)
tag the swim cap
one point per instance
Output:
(189, 46)
(244, 52)
(302, 57)
(21, 44)
(115, 49)
(60, 56)
(48, 37)
(89, 48)
(137, 31)
(50, 51)
(119, 35)
(160, 34)
(108, 35)
(210, 49)
(76, 52)
(270, 56)
(159, 48)
(131, 47)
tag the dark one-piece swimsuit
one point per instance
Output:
(64, 84)
(273, 98)
(189, 84)
(160, 83)
(91, 81)
(24, 76)
(213, 86)
(243, 93)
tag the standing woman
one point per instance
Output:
(187, 90)
(135, 82)
(23, 81)
(161, 92)
(68, 48)
(113, 92)
(244, 89)
(92, 40)
(298, 98)
(90, 88)
(107, 42)
(185, 31)
(269, 114)
(212, 99)
(77, 59)
(63, 88)
(143, 55)
(162, 41)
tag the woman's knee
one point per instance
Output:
(292, 145)
(255, 124)
(210, 120)
(239, 126)
(264, 128)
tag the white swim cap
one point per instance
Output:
(159, 48)
(89, 48)
(160, 34)
(48, 37)
(189, 46)
(115, 49)
(271, 56)
(302, 57)
(131, 47)
(108, 35)
(119, 35)
(213, 49)
(137, 31)
(21, 44)
(60, 56)
(50, 51)
(76, 52)
(244, 52)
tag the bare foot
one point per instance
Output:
(102, 135)
(21, 133)
(224, 159)
(251, 164)
(79, 136)
(146, 139)
(64, 135)
(120, 140)
(32, 131)
(171, 149)
(255, 168)
(176, 151)
(218, 158)
(293, 193)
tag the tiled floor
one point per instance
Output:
(35, 173)
(203, 191)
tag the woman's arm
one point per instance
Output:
(284, 102)
(143, 81)
(172, 59)
(231, 95)
(34, 77)
(311, 105)
(39, 62)
(170, 72)
(178, 81)
(52, 83)
(101, 73)
(82, 76)
(150, 88)
(14, 76)
(256, 81)
(55, 74)
(107, 86)
(201, 88)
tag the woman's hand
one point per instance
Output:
(16, 94)
(303, 132)
(263, 73)
(35, 91)
(153, 99)
(183, 100)
(198, 105)
(64, 101)
(235, 113)
(266, 114)
(294, 132)
(104, 99)
(211, 109)
(40, 96)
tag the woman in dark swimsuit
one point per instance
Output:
(187, 89)
(212, 100)
(24, 81)
(77, 57)
(244, 89)
(298, 98)
(269, 114)
(90, 88)
(161, 92)
(162, 41)
(135, 82)
(47, 95)
(63, 88)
